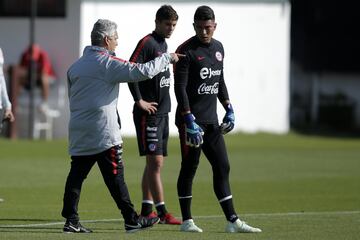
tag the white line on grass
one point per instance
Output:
(288, 214)
(202, 217)
(57, 223)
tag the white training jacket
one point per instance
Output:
(93, 89)
(4, 97)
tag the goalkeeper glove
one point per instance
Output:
(194, 133)
(228, 121)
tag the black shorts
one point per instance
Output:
(152, 134)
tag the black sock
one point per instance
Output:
(228, 209)
(146, 208)
(161, 209)
(185, 205)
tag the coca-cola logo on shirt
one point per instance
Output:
(164, 82)
(208, 89)
(208, 73)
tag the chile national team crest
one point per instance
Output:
(219, 56)
(152, 147)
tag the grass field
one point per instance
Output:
(292, 186)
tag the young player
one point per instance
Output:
(199, 82)
(151, 108)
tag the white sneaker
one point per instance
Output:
(189, 226)
(241, 227)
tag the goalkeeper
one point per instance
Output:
(199, 82)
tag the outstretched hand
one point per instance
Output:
(175, 57)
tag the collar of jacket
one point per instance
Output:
(98, 49)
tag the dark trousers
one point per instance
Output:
(215, 151)
(112, 170)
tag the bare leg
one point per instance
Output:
(45, 87)
(145, 185)
(154, 164)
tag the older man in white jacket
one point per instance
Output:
(94, 128)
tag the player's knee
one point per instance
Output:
(155, 164)
(222, 172)
(154, 167)
(191, 170)
(226, 169)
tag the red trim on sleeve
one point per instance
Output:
(139, 48)
(113, 57)
(184, 147)
(119, 59)
(179, 49)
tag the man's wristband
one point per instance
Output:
(189, 118)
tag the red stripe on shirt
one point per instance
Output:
(114, 160)
(143, 130)
(180, 50)
(184, 147)
(119, 59)
(139, 48)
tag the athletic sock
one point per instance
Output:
(185, 205)
(161, 209)
(146, 207)
(228, 209)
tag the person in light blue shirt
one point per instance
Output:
(94, 127)
(5, 105)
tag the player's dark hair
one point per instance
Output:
(204, 13)
(166, 12)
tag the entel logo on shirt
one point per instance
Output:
(208, 73)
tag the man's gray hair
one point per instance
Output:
(101, 29)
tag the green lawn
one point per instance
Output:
(292, 186)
